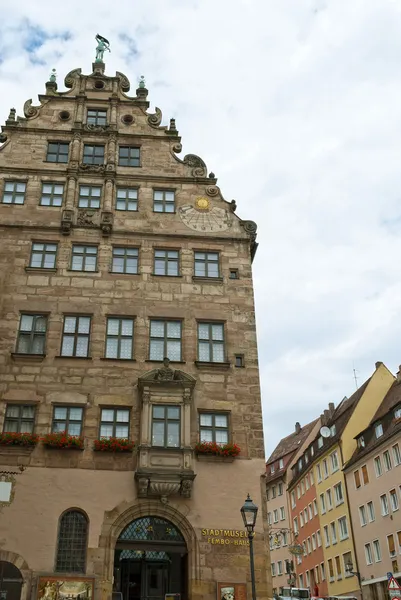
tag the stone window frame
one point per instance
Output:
(43, 253)
(167, 260)
(164, 202)
(213, 427)
(211, 341)
(120, 336)
(32, 333)
(61, 566)
(207, 262)
(52, 195)
(166, 339)
(15, 193)
(96, 119)
(125, 257)
(126, 199)
(57, 153)
(93, 157)
(115, 423)
(94, 200)
(67, 420)
(233, 274)
(85, 254)
(76, 335)
(21, 406)
(131, 158)
(166, 420)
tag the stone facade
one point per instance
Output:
(199, 495)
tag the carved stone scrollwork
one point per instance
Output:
(186, 488)
(199, 168)
(124, 81)
(92, 168)
(143, 483)
(66, 221)
(212, 190)
(106, 222)
(155, 119)
(251, 228)
(96, 128)
(71, 77)
(29, 110)
(85, 218)
(177, 147)
(187, 396)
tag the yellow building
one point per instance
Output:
(329, 451)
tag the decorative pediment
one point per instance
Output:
(165, 375)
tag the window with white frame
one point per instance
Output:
(281, 463)
(307, 482)
(333, 430)
(313, 541)
(333, 531)
(280, 489)
(293, 501)
(302, 487)
(329, 498)
(301, 580)
(322, 572)
(394, 500)
(378, 466)
(368, 554)
(326, 536)
(391, 545)
(274, 491)
(343, 528)
(325, 468)
(377, 551)
(275, 515)
(295, 523)
(311, 478)
(371, 511)
(396, 455)
(379, 430)
(307, 575)
(320, 442)
(322, 504)
(282, 513)
(365, 474)
(397, 412)
(298, 492)
(269, 522)
(310, 511)
(273, 569)
(306, 515)
(362, 515)
(331, 569)
(338, 567)
(338, 493)
(279, 567)
(387, 460)
(318, 538)
(284, 538)
(334, 462)
(319, 473)
(384, 505)
(315, 510)
(301, 518)
(309, 546)
(272, 469)
(357, 479)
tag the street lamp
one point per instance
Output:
(349, 568)
(249, 512)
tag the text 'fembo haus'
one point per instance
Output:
(130, 411)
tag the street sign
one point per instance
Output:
(389, 576)
(394, 586)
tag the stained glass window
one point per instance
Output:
(72, 542)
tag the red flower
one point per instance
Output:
(62, 439)
(18, 439)
(217, 449)
(113, 444)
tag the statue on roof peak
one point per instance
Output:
(102, 45)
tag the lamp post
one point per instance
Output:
(249, 512)
(349, 567)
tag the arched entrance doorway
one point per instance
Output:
(150, 560)
(10, 581)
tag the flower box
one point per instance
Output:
(113, 444)
(213, 449)
(62, 440)
(27, 440)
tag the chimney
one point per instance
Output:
(378, 364)
(297, 428)
(399, 374)
(331, 408)
(326, 416)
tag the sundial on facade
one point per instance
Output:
(203, 217)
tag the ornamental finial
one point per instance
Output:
(102, 45)
(142, 83)
(53, 76)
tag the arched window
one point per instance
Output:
(72, 542)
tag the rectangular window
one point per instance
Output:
(301, 518)
(368, 554)
(384, 505)
(119, 338)
(273, 491)
(165, 340)
(371, 511)
(334, 462)
(301, 580)
(309, 545)
(125, 260)
(279, 567)
(313, 541)
(322, 504)
(43, 256)
(307, 575)
(326, 536)
(284, 538)
(394, 500)
(282, 513)
(378, 466)
(320, 442)
(52, 194)
(315, 510)
(379, 430)
(57, 152)
(213, 427)
(20, 418)
(280, 488)
(76, 333)
(89, 196)
(365, 474)
(298, 492)
(362, 515)
(268, 494)
(347, 559)
(377, 551)
(310, 511)
(96, 117)
(311, 473)
(281, 463)
(329, 500)
(163, 201)
(338, 493)
(325, 469)
(387, 460)
(343, 528)
(322, 571)
(319, 538)
(272, 469)
(306, 515)
(307, 481)
(396, 455)
(273, 565)
(93, 154)
(399, 541)
(333, 530)
(207, 264)
(166, 262)
(114, 422)
(239, 363)
(84, 258)
(302, 487)
(296, 529)
(14, 192)
(338, 567)
(331, 570)
(233, 274)
(32, 334)
(275, 515)
(269, 522)
(293, 501)
(211, 342)
(319, 473)
(127, 199)
(68, 419)
(391, 545)
(166, 426)
(357, 479)
(129, 156)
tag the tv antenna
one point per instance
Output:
(355, 375)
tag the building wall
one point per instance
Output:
(103, 485)
(382, 526)
(278, 548)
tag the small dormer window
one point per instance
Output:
(361, 442)
(312, 451)
(272, 469)
(379, 430)
(306, 459)
(281, 463)
(300, 464)
(397, 412)
(333, 430)
(320, 442)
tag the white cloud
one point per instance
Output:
(296, 107)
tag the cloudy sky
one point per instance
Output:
(296, 106)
